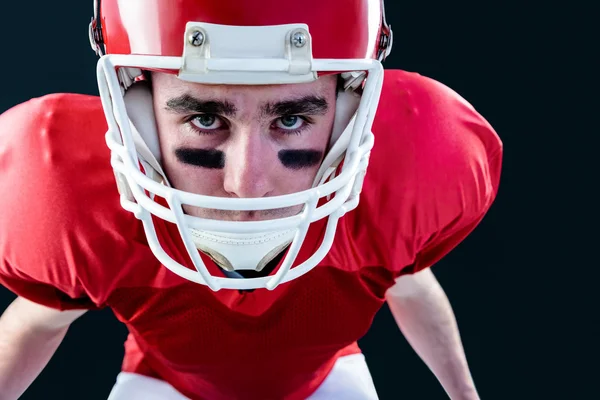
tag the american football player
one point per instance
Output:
(275, 186)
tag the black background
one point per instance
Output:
(519, 311)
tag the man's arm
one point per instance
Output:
(425, 317)
(29, 335)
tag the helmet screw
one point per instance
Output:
(196, 38)
(299, 39)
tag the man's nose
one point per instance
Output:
(247, 171)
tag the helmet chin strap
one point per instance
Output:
(228, 250)
(242, 252)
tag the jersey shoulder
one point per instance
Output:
(433, 173)
(49, 126)
(64, 221)
(419, 109)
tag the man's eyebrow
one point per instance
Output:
(186, 104)
(310, 105)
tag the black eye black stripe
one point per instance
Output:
(205, 158)
(298, 159)
(215, 159)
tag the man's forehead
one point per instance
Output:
(170, 85)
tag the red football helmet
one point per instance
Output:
(250, 42)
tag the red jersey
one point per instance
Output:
(65, 242)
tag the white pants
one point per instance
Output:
(349, 379)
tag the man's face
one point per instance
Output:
(242, 141)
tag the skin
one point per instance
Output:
(242, 141)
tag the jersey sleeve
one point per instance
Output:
(433, 175)
(57, 196)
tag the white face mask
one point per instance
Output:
(236, 245)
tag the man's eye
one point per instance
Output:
(206, 122)
(290, 123)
